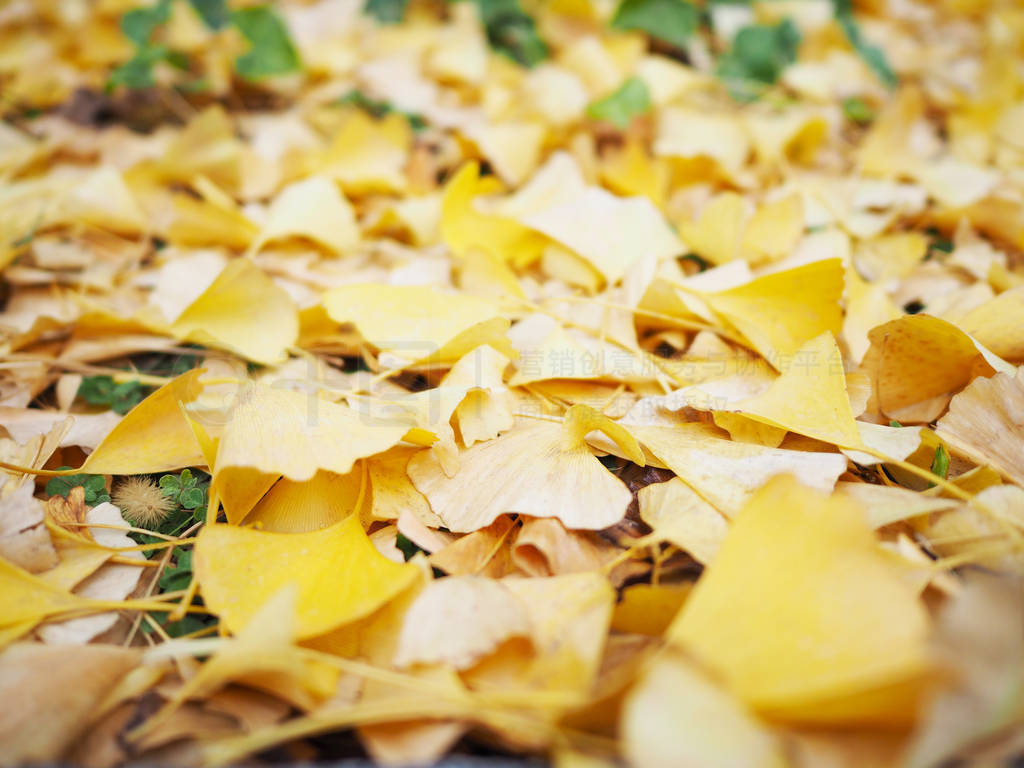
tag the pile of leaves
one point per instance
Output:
(614, 383)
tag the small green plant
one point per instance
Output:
(757, 58)
(671, 21)
(940, 463)
(856, 110)
(376, 108)
(118, 397)
(184, 489)
(95, 487)
(619, 108)
(271, 51)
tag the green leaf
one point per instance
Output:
(406, 547)
(619, 108)
(758, 56)
(186, 479)
(512, 32)
(103, 390)
(170, 485)
(178, 574)
(857, 110)
(272, 51)
(872, 55)
(357, 98)
(95, 487)
(386, 11)
(894, 423)
(191, 498)
(214, 13)
(940, 464)
(138, 25)
(671, 21)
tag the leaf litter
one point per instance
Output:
(620, 383)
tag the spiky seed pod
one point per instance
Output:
(142, 502)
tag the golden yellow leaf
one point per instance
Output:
(242, 311)
(727, 474)
(457, 620)
(983, 423)
(781, 311)
(338, 574)
(681, 517)
(918, 362)
(418, 322)
(511, 475)
(840, 629)
(676, 717)
(56, 693)
(313, 209)
(155, 436)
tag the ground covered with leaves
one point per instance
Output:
(606, 383)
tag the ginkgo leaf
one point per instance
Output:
(300, 507)
(464, 228)
(678, 515)
(544, 547)
(587, 495)
(418, 322)
(486, 409)
(983, 423)
(367, 155)
(889, 504)
(605, 230)
(809, 397)
(154, 436)
(917, 363)
(841, 631)
(715, 236)
(727, 474)
(57, 692)
(242, 311)
(676, 716)
(284, 432)
(456, 621)
(781, 311)
(261, 655)
(339, 576)
(313, 209)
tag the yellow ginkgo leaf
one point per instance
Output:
(512, 147)
(486, 409)
(715, 236)
(102, 199)
(464, 228)
(340, 577)
(917, 362)
(201, 222)
(608, 231)
(810, 397)
(155, 436)
(242, 311)
(675, 717)
(261, 655)
(997, 324)
(727, 473)
(300, 507)
(313, 209)
(511, 474)
(633, 172)
(418, 322)
(983, 423)
(841, 633)
(678, 515)
(284, 432)
(457, 620)
(779, 312)
(57, 690)
(774, 230)
(367, 155)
